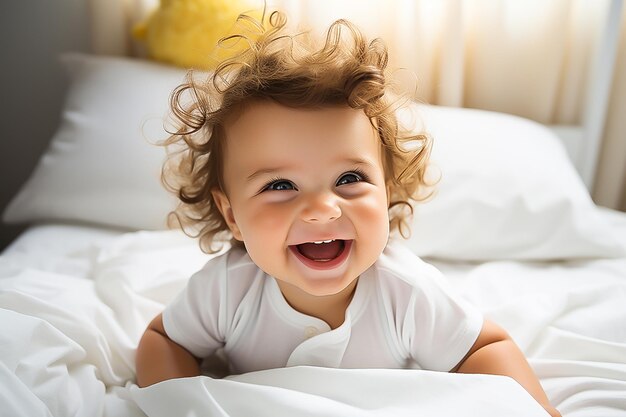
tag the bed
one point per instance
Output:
(511, 226)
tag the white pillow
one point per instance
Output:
(507, 191)
(102, 165)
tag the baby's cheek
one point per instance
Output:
(373, 214)
(266, 220)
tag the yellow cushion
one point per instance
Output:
(186, 32)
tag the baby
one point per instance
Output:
(295, 153)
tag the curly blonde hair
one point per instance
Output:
(291, 70)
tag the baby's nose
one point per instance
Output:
(321, 208)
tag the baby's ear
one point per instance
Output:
(223, 205)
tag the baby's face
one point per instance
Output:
(305, 191)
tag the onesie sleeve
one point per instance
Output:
(432, 326)
(441, 327)
(193, 318)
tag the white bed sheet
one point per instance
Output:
(59, 247)
(74, 301)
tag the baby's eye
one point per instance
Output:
(279, 185)
(349, 177)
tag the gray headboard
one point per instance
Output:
(33, 85)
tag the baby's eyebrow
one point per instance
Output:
(263, 171)
(360, 161)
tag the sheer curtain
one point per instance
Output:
(527, 58)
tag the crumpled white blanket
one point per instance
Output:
(69, 330)
(305, 391)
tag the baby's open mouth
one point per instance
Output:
(322, 251)
(323, 255)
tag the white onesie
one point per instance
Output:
(401, 316)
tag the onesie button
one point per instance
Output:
(310, 331)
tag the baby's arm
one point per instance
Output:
(494, 352)
(159, 358)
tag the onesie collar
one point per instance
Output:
(328, 347)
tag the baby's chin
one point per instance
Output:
(329, 290)
(318, 287)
